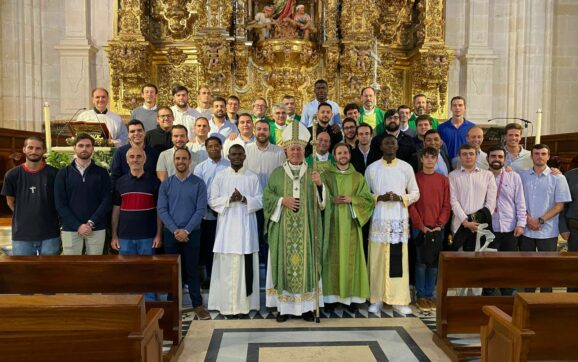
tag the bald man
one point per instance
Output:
(475, 138)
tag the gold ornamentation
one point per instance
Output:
(216, 60)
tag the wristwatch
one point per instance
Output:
(541, 221)
(91, 224)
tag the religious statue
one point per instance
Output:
(263, 23)
(214, 52)
(302, 23)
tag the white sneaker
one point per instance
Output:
(375, 308)
(402, 309)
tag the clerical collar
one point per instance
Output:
(99, 112)
(368, 112)
(324, 157)
(281, 127)
(294, 167)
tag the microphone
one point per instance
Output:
(511, 119)
(67, 122)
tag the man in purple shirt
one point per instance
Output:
(455, 130)
(545, 195)
(509, 217)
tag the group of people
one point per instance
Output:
(340, 220)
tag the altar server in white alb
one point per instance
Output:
(236, 196)
(394, 188)
(118, 133)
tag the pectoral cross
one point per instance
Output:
(33, 189)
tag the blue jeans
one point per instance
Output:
(425, 277)
(189, 253)
(138, 247)
(34, 248)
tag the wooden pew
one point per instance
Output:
(541, 327)
(463, 314)
(102, 274)
(79, 328)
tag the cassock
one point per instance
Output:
(291, 269)
(235, 274)
(389, 231)
(345, 278)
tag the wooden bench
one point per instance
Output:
(463, 314)
(79, 328)
(107, 274)
(541, 327)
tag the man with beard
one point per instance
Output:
(160, 137)
(349, 208)
(82, 194)
(204, 99)
(181, 206)
(454, 130)
(403, 111)
(323, 125)
(545, 195)
(289, 213)
(147, 113)
(406, 145)
(311, 109)
(369, 113)
(518, 158)
(279, 112)
(165, 166)
(136, 135)
(29, 191)
(245, 136)
(197, 144)
(260, 110)
(569, 217)
(262, 158)
(475, 137)
(509, 217)
(324, 159)
(220, 126)
(206, 171)
(233, 105)
(350, 132)
(289, 103)
(100, 114)
(235, 196)
(420, 109)
(182, 113)
(394, 189)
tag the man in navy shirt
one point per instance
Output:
(181, 206)
(455, 130)
(29, 191)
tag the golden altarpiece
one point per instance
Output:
(268, 48)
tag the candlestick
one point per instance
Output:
(47, 130)
(538, 126)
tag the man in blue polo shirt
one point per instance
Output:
(455, 130)
(182, 204)
(545, 195)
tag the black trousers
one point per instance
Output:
(531, 244)
(208, 231)
(503, 242)
(573, 246)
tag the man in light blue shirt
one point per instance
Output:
(310, 109)
(207, 170)
(219, 125)
(545, 196)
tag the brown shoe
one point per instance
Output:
(423, 304)
(432, 304)
(202, 313)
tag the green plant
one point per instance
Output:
(58, 159)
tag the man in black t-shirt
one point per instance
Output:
(29, 191)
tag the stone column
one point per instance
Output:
(477, 62)
(77, 59)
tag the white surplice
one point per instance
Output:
(237, 235)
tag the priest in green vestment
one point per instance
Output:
(324, 158)
(349, 206)
(369, 113)
(420, 108)
(292, 220)
(278, 124)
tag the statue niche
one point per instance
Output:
(283, 19)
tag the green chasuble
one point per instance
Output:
(291, 240)
(275, 133)
(379, 117)
(296, 117)
(322, 166)
(344, 271)
(411, 122)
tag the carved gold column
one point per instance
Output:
(129, 57)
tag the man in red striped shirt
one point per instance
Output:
(136, 228)
(428, 218)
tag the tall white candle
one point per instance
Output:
(538, 126)
(47, 131)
